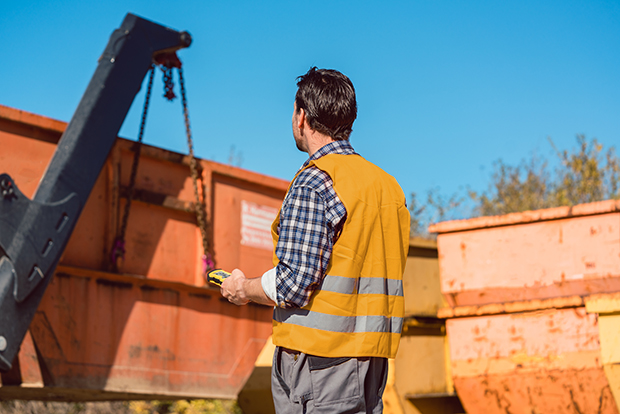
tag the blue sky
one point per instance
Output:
(444, 88)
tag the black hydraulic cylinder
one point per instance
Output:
(34, 233)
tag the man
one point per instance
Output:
(341, 240)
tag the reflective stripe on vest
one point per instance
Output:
(367, 285)
(333, 323)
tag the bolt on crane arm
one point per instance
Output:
(34, 233)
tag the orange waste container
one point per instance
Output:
(520, 337)
(152, 329)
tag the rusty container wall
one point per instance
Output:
(421, 285)
(421, 370)
(607, 307)
(519, 335)
(543, 254)
(152, 329)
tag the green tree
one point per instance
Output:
(417, 216)
(584, 174)
(526, 186)
(436, 208)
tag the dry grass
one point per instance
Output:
(39, 407)
(121, 407)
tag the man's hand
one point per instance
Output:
(233, 288)
(240, 290)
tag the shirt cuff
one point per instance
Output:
(268, 282)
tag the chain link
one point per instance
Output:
(196, 172)
(168, 83)
(118, 250)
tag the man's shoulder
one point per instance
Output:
(312, 177)
(356, 168)
(350, 162)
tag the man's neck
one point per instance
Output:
(316, 141)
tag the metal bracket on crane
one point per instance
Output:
(34, 233)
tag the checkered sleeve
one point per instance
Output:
(310, 221)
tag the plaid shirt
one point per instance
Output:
(311, 219)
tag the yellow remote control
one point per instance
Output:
(217, 276)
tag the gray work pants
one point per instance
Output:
(305, 384)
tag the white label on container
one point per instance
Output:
(256, 222)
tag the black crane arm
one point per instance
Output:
(34, 233)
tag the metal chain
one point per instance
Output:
(168, 83)
(196, 173)
(118, 250)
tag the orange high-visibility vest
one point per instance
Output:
(358, 309)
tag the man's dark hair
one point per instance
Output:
(328, 99)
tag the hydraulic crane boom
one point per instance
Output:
(34, 233)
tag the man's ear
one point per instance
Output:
(301, 119)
